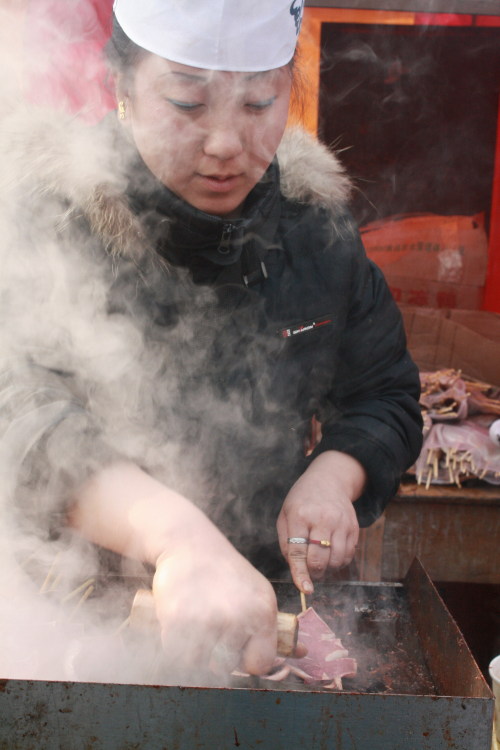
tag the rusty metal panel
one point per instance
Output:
(444, 648)
(76, 716)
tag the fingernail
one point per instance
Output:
(307, 587)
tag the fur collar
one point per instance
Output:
(57, 155)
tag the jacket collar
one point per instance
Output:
(88, 170)
(186, 236)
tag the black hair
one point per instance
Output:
(121, 52)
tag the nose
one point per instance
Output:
(223, 139)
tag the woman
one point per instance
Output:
(257, 310)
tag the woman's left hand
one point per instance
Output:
(319, 507)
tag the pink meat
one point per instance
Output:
(454, 452)
(444, 395)
(326, 660)
(326, 657)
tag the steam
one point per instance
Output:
(53, 301)
(83, 382)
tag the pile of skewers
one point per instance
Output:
(461, 430)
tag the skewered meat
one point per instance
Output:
(326, 658)
(326, 661)
(457, 413)
(454, 452)
(444, 395)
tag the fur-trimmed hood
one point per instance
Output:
(56, 155)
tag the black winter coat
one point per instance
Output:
(307, 328)
(204, 355)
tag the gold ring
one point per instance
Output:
(321, 542)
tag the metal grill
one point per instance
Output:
(417, 688)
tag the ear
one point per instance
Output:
(121, 87)
(122, 102)
(122, 97)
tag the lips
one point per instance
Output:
(220, 183)
(220, 176)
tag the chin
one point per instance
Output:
(226, 209)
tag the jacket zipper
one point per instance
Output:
(225, 240)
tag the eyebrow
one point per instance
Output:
(259, 74)
(188, 76)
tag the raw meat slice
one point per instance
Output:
(326, 657)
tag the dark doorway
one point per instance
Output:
(415, 109)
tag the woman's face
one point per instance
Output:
(209, 136)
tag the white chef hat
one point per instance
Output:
(237, 35)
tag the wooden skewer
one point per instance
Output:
(50, 575)
(82, 599)
(143, 618)
(303, 604)
(85, 585)
(288, 631)
(54, 584)
(122, 626)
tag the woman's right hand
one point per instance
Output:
(216, 611)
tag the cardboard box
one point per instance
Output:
(435, 294)
(430, 260)
(466, 340)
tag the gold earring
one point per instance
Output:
(121, 110)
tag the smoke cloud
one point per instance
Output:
(86, 377)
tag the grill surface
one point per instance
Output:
(375, 624)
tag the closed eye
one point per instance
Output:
(185, 106)
(260, 106)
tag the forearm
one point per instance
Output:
(384, 452)
(129, 512)
(213, 607)
(340, 469)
